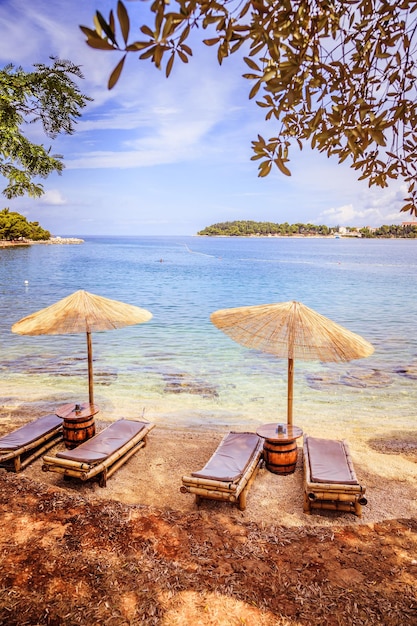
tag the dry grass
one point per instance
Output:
(67, 560)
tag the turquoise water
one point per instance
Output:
(178, 369)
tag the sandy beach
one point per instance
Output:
(387, 467)
(139, 551)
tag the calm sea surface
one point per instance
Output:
(178, 369)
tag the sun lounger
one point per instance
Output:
(103, 454)
(230, 472)
(24, 445)
(330, 480)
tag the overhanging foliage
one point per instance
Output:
(47, 95)
(337, 74)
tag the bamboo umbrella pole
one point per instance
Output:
(82, 312)
(290, 390)
(292, 331)
(90, 369)
(290, 376)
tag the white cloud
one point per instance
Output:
(347, 215)
(53, 197)
(174, 127)
(377, 207)
(121, 160)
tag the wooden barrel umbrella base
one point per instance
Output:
(78, 423)
(280, 447)
(76, 431)
(280, 456)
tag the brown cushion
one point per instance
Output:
(231, 458)
(108, 441)
(328, 462)
(30, 432)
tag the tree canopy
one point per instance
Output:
(15, 226)
(47, 95)
(336, 74)
(250, 228)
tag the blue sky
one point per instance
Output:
(169, 156)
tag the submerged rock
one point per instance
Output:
(322, 381)
(409, 371)
(185, 383)
(360, 377)
(366, 378)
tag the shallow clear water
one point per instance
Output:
(178, 369)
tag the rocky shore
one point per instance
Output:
(61, 240)
(50, 241)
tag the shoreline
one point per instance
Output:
(51, 241)
(298, 236)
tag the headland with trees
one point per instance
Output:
(249, 228)
(15, 227)
(15, 230)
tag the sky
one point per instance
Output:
(158, 156)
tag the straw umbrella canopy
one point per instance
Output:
(82, 312)
(291, 330)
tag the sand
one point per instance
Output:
(386, 465)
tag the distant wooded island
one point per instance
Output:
(248, 228)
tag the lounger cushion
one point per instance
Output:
(231, 458)
(328, 462)
(108, 441)
(29, 432)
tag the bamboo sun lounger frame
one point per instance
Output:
(103, 468)
(19, 448)
(337, 494)
(234, 489)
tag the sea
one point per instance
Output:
(178, 370)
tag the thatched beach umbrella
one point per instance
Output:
(291, 330)
(82, 312)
